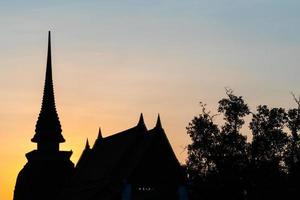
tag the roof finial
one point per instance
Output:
(87, 145)
(100, 133)
(141, 120)
(158, 122)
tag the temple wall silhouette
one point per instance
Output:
(134, 164)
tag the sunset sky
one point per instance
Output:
(114, 59)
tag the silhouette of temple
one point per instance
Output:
(47, 169)
(135, 164)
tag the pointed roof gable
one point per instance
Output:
(128, 155)
(120, 154)
(141, 123)
(100, 134)
(141, 120)
(153, 152)
(158, 122)
(84, 156)
(48, 126)
(87, 145)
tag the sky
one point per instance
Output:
(113, 59)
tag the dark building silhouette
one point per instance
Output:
(134, 164)
(47, 169)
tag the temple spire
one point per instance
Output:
(48, 128)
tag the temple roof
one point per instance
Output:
(48, 128)
(135, 154)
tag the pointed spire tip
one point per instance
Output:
(141, 120)
(48, 120)
(158, 122)
(87, 145)
(100, 133)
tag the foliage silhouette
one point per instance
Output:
(222, 164)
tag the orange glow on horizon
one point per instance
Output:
(76, 128)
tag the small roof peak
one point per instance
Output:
(87, 145)
(99, 134)
(158, 122)
(141, 120)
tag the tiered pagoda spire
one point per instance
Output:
(48, 129)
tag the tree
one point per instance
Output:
(269, 139)
(201, 162)
(267, 152)
(205, 137)
(292, 157)
(234, 160)
(293, 123)
(234, 109)
(221, 164)
(233, 143)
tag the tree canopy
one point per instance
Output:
(222, 164)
